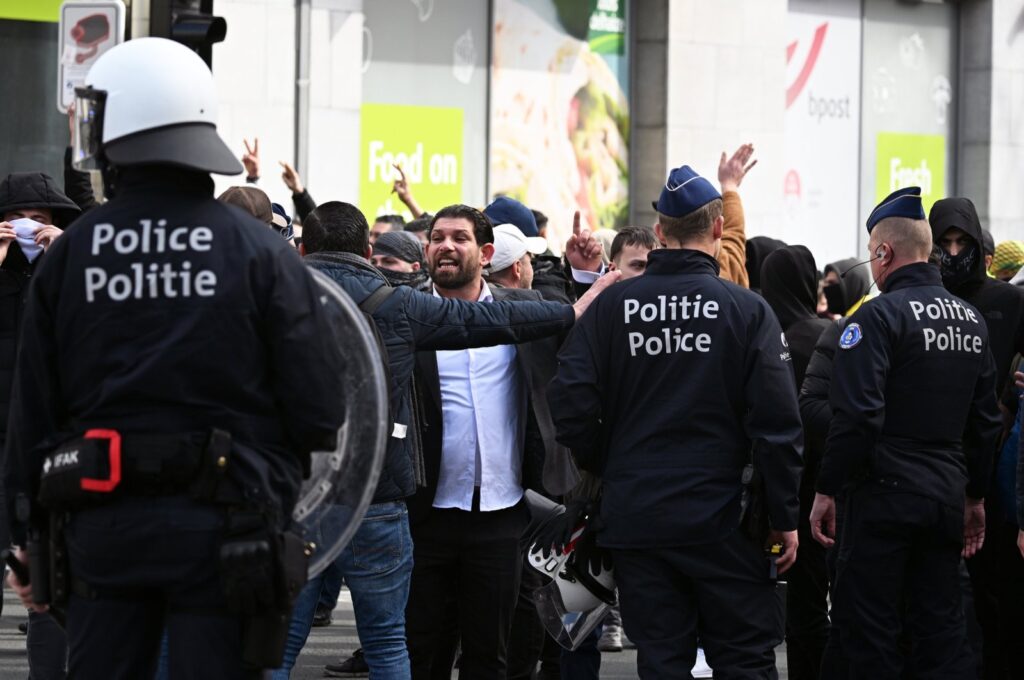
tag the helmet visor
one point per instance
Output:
(569, 628)
(88, 128)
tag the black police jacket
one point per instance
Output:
(408, 321)
(165, 311)
(666, 387)
(913, 394)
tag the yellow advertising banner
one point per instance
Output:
(31, 10)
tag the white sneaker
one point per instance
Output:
(701, 669)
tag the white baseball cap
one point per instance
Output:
(510, 244)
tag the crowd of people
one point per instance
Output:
(707, 413)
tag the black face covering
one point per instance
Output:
(957, 269)
(419, 279)
(835, 297)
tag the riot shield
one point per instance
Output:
(333, 500)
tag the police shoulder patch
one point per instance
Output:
(851, 337)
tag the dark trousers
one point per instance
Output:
(898, 572)
(719, 591)
(527, 637)
(806, 606)
(584, 662)
(997, 578)
(476, 557)
(47, 647)
(153, 564)
(833, 662)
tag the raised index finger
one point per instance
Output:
(248, 149)
(576, 223)
(399, 168)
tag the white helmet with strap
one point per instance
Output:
(150, 101)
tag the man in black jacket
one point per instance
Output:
(789, 283)
(666, 388)
(997, 573)
(378, 563)
(33, 212)
(914, 481)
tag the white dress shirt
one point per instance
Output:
(482, 404)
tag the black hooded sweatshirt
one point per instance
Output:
(789, 284)
(852, 287)
(758, 249)
(1000, 303)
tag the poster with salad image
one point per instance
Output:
(560, 110)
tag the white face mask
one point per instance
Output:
(26, 230)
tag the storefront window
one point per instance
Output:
(908, 112)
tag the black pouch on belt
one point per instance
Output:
(81, 471)
(262, 572)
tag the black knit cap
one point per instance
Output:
(401, 244)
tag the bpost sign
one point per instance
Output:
(822, 133)
(425, 141)
(906, 160)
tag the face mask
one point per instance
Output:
(834, 296)
(26, 230)
(958, 269)
(417, 279)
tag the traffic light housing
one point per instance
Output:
(189, 22)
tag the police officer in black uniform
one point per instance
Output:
(175, 373)
(667, 388)
(911, 443)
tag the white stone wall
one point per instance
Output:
(726, 86)
(255, 72)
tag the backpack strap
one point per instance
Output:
(376, 299)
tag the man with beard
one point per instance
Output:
(997, 572)
(378, 562)
(466, 522)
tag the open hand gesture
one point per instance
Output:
(732, 171)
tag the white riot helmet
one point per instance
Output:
(576, 599)
(150, 101)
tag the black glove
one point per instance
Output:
(555, 533)
(588, 555)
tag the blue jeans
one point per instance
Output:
(377, 566)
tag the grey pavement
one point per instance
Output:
(325, 645)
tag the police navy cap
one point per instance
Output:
(684, 192)
(900, 203)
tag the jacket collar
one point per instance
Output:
(912, 275)
(345, 259)
(681, 261)
(162, 178)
